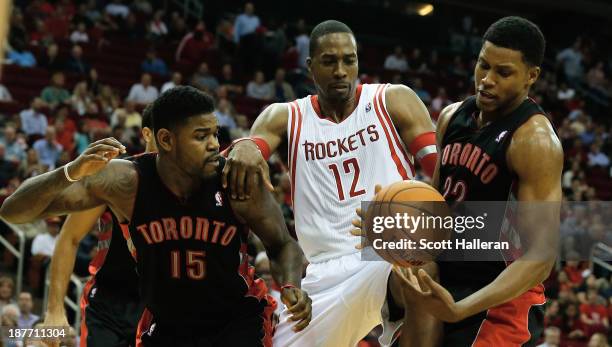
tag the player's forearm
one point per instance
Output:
(286, 264)
(62, 266)
(33, 197)
(515, 280)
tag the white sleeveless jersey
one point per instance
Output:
(335, 166)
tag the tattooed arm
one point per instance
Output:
(100, 181)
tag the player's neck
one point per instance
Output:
(337, 111)
(486, 118)
(177, 180)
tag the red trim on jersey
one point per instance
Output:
(314, 100)
(393, 130)
(268, 322)
(506, 325)
(290, 154)
(125, 230)
(295, 148)
(400, 168)
(84, 303)
(144, 324)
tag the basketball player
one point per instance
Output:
(110, 305)
(495, 303)
(341, 142)
(185, 234)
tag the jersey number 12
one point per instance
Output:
(350, 166)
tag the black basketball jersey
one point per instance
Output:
(190, 254)
(473, 167)
(113, 266)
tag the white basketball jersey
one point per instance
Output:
(335, 166)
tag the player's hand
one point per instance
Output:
(95, 158)
(358, 231)
(300, 306)
(242, 166)
(435, 298)
(55, 321)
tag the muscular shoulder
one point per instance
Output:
(117, 180)
(534, 145)
(407, 110)
(273, 119)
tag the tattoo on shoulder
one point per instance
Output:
(116, 181)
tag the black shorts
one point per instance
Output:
(108, 319)
(519, 322)
(248, 329)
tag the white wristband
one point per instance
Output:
(260, 256)
(70, 179)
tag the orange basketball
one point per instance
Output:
(405, 223)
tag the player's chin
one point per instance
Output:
(486, 106)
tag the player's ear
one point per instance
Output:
(165, 140)
(534, 73)
(308, 64)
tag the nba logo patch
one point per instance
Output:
(501, 136)
(368, 107)
(219, 199)
(93, 292)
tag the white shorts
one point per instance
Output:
(347, 297)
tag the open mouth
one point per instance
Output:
(486, 95)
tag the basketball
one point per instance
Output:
(405, 223)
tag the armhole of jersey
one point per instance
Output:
(138, 187)
(294, 127)
(395, 137)
(450, 121)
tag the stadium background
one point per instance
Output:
(104, 47)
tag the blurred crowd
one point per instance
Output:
(101, 62)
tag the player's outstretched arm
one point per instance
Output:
(535, 155)
(247, 158)
(95, 178)
(76, 226)
(414, 124)
(264, 217)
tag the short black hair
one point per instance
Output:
(324, 28)
(518, 34)
(177, 104)
(147, 118)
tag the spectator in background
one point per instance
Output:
(55, 93)
(51, 60)
(126, 117)
(14, 149)
(440, 101)
(10, 316)
(598, 340)
(75, 63)
(204, 81)
(44, 243)
(19, 56)
(302, 44)
(281, 90)
(5, 95)
(565, 93)
(571, 61)
(7, 286)
(34, 122)
(417, 86)
(396, 61)
(8, 169)
(153, 64)
(143, 93)
(418, 64)
(108, 100)
(79, 35)
(26, 317)
(192, 49)
(176, 80)
(93, 83)
(552, 337)
(157, 28)
(32, 166)
(258, 88)
(65, 129)
(116, 8)
(593, 314)
(225, 114)
(143, 6)
(82, 102)
(242, 127)
(597, 157)
(48, 149)
(246, 23)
